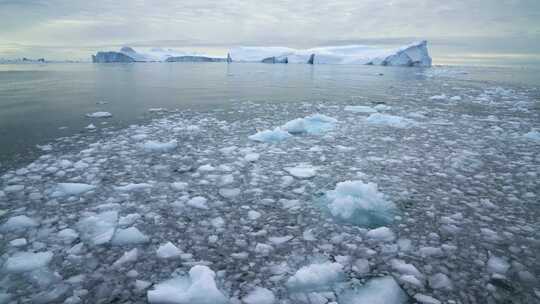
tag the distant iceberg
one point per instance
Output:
(415, 54)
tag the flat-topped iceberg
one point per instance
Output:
(415, 54)
(128, 54)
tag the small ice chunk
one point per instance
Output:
(360, 203)
(19, 222)
(179, 186)
(497, 265)
(99, 114)
(229, 192)
(532, 135)
(13, 188)
(253, 215)
(383, 234)
(316, 277)
(18, 242)
(383, 290)
(259, 295)
(455, 98)
(156, 146)
(425, 299)
(133, 187)
(404, 268)
(198, 202)
(68, 235)
(252, 157)
(278, 240)
(199, 288)
(440, 281)
(390, 120)
(270, 136)
(360, 109)
(127, 236)
(168, 251)
(99, 228)
(302, 171)
(74, 188)
(438, 97)
(128, 257)
(27, 261)
(90, 127)
(313, 124)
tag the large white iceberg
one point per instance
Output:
(415, 54)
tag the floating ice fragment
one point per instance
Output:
(99, 228)
(316, 277)
(90, 127)
(390, 120)
(359, 203)
(68, 235)
(251, 157)
(156, 146)
(74, 188)
(270, 136)
(259, 295)
(313, 124)
(168, 251)
(383, 290)
(440, 281)
(438, 97)
(198, 202)
(497, 265)
(179, 186)
(13, 188)
(229, 192)
(302, 171)
(133, 187)
(127, 257)
(381, 234)
(18, 242)
(360, 109)
(99, 115)
(253, 215)
(27, 261)
(425, 299)
(199, 288)
(127, 236)
(19, 222)
(533, 135)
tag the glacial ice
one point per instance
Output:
(383, 290)
(302, 171)
(27, 261)
(259, 295)
(74, 188)
(156, 146)
(198, 202)
(270, 136)
(129, 236)
(317, 276)
(390, 120)
(359, 203)
(19, 222)
(168, 251)
(383, 234)
(313, 124)
(199, 288)
(99, 114)
(533, 135)
(360, 109)
(98, 229)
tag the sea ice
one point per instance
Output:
(127, 257)
(497, 265)
(360, 109)
(19, 222)
(316, 277)
(18, 242)
(302, 171)
(74, 188)
(99, 228)
(383, 290)
(99, 115)
(259, 295)
(313, 124)
(359, 203)
(381, 234)
(133, 187)
(270, 136)
(199, 288)
(127, 236)
(27, 261)
(533, 135)
(198, 202)
(168, 251)
(390, 120)
(156, 146)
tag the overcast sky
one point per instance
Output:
(60, 25)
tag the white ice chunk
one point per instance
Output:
(179, 186)
(99, 228)
(270, 136)
(316, 277)
(18, 242)
(74, 188)
(19, 222)
(127, 257)
(127, 236)
(99, 114)
(383, 290)
(313, 124)
(253, 215)
(156, 146)
(199, 288)
(381, 234)
(360, 203)
(360, 109)
(168, 251)
(259, 295)
(533, 135)
(229, 192)
(252, 157)
(68, 235)
(198, 202)
(302, 171)
(133, 187)
(497, 265)
(27, 261)
(390, 120)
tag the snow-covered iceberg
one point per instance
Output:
(415, 54)
(128, 54)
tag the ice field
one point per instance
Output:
(428, 195)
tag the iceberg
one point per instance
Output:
(413, 55)
(128, 54)
(194, 59)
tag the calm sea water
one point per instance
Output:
(40, 103)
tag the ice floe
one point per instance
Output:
(100, 114)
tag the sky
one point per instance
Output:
(72, 29)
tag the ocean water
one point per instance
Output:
(448, 156)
